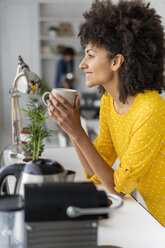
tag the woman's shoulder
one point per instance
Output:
(150, 100)
(106, 98)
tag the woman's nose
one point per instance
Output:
(83, 64)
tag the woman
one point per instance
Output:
(124, 54)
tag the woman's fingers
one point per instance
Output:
(77, 102)
(60, 102)
(67, 117)
(52, 110)
(52, 116)
(56, 111)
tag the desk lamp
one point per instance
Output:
(26, 82)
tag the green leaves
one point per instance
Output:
(36, 116)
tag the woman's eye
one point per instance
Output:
(91, 56)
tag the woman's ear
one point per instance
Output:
(117, 61)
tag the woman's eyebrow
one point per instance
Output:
(90, 49)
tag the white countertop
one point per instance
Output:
(130, 226)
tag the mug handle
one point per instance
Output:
(43, 97)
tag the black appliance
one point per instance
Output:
(63, 215)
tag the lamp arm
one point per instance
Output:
(16, 115)
(26, 82)
(16, 80)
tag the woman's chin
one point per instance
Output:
(90, 85)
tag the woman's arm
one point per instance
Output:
(68, 119)
(76, 123)
(83, 160)
(98, 165)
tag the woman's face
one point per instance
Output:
(96, 66)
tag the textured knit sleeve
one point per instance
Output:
(147, 138)
(103, 142)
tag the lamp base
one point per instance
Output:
(17, 155)
(15, 151)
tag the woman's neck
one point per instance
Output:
(120, 107)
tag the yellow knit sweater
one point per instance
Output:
(138, 139)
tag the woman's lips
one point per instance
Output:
(88, 74)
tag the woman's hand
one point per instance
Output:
(67, 117)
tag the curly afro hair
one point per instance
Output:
(133, 29)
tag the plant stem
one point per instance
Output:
(34, 151)
(38, 147)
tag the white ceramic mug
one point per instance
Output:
(68, 94)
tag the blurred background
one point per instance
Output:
(39, 31)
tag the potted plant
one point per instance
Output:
(53, 31)
(36, 116)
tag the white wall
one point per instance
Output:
(18, 37)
